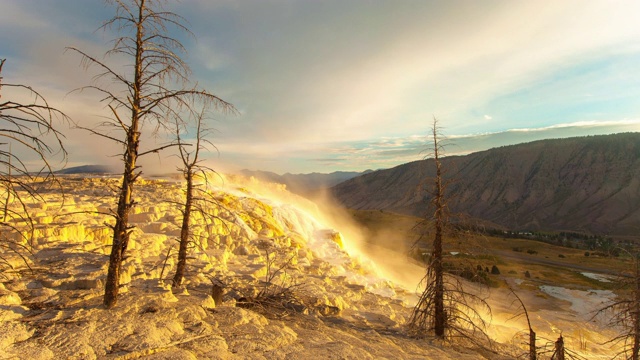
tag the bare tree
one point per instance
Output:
(531, 343)
(280, 294)
(556, 348)
(443, 308)
(196, 198)
(155, 90)
(430, 312)
(441, 213)
(28, 137)
(559, 351)
(625, 312)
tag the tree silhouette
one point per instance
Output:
(532, 352)
(155, 90)
(443, 308)
(196, 196)
(27, 131)
(624, 312)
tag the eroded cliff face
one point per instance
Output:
(579, 184)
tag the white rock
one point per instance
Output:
(8, 297)
(12, 312)
(208, 303)
(13, 332)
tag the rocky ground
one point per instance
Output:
(332, 306)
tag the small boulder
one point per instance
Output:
(8, 297)
(208, 303)
(241, 250)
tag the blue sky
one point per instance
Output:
(354, 85)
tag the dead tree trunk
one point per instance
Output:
(121, 229)
(217, 292)
(444, 307)
(430, 312)
(532, 344)
(191, 167)
(147, 98)
(436, 258)
(635, 313)
(558, 353)
(1, 65)
(624, 312)
(5, 209)
(184, 231)
(533, 354)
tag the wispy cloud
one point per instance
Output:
(356, 80)
(632, 124)
(391, 152)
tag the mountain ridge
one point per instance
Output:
(86, 169)
(584, 184)
(304, 183)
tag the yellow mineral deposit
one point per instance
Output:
(366, 277)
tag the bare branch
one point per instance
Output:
(28, 130)
(148, 94)
(158, 149)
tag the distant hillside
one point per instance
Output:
(305, 183)
(586, 184)
(85, 169)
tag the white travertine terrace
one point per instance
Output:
(55, 311)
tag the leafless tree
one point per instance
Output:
(559, 351)
(531, 343)
(554, 348)
(439, 217)
(280, 294)
(624, 312)
(196, 196)
(27, 131)
(444, 307)
(156, 89)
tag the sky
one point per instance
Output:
(330, 85)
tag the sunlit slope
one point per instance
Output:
(580, 184)
(55, 311)
(240, 216)
(304, 183)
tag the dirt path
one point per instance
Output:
(533, 259)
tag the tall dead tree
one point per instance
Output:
(156, 89)
(439, 222)
(444, 307)
(27, 136)
(429, 313)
